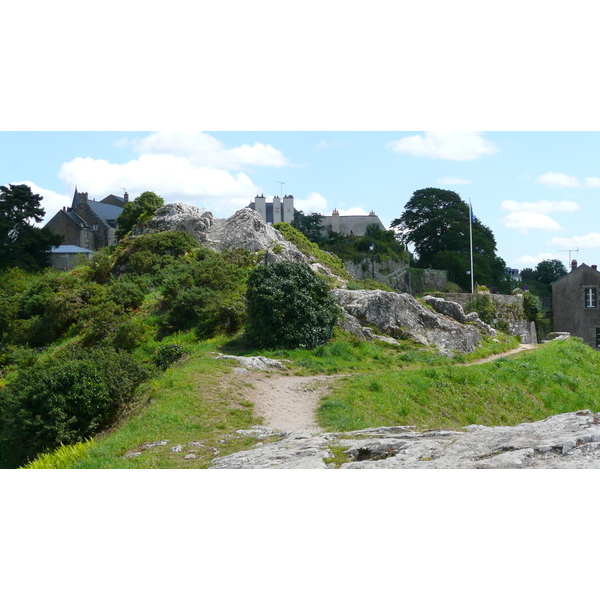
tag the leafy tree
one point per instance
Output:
(289, 307)
(309, 225)
(21, 243)
(437, 223)
(134, 213)
(549, 271)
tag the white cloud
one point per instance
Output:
(592, 182)
(325, 145)
(541, 206)
(315, 203)
(590, 240)
(552, 179)
(355, 210)
(204, 149)
(191, 167)
(531, 261)
(530, 221)
(467, 145)
(172, 177)
(453, 181)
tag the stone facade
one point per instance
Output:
(88, 223)
(575, 305)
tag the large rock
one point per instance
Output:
(455, 311)
(178, 216)
(566, 441)
(401, 316)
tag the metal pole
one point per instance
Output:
(471, 242)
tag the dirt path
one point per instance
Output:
(289, 402)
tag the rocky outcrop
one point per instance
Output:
(178, 216)
(455, 311)
(401, 316)
(566, 441)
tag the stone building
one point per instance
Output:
(575, 303)
(87, 223)
(278, 211)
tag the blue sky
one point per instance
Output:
(539, 192)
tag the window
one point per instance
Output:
(597, 337)
(590, 297)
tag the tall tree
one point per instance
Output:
(21, 243)
(436, 222)
(549, 271)
(136, 212)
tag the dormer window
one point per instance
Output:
(590, 297)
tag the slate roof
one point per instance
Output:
(70, 249)
(107, 212)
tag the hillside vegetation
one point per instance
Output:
(112, 365)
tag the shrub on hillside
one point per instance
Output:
(288, 306)
(64, 400)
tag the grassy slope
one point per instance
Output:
(195, 401)
(556, 378)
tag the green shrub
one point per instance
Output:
(63, 400)
(288, 306)
(484, 306)
(167, 355)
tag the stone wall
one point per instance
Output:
(509, 309)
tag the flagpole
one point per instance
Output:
(471, 242)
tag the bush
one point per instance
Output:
(288, 306)
(167, 355)
(64, 400)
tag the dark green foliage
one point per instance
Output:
(208, 293)
(437, 223)
(167, 354)
(540, 279)
(63, 400)
(484, 306)
(289, 307)
(309, 225)
(21, 243)
(137, 212)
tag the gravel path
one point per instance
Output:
(289, 402)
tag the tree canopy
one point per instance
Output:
(22, 244)
(539, 279)
(136, 212)
(436, 222)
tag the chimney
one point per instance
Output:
(573, 265)
(595, 267)
(126, 197)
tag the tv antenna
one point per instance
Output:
(282, 184)
(569, 251)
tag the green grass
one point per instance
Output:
(556, 378)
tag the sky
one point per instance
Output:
(538, 191)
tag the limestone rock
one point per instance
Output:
(254, 363)
(455, 311)
(401, 316)
(566, 441)
(179, 216)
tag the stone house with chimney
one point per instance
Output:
(575, 303)
(87, 223)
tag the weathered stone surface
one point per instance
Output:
(566, 441)
(557, 335)
(455, 311)
(254, 363)
(401, 316)
(178, 216)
